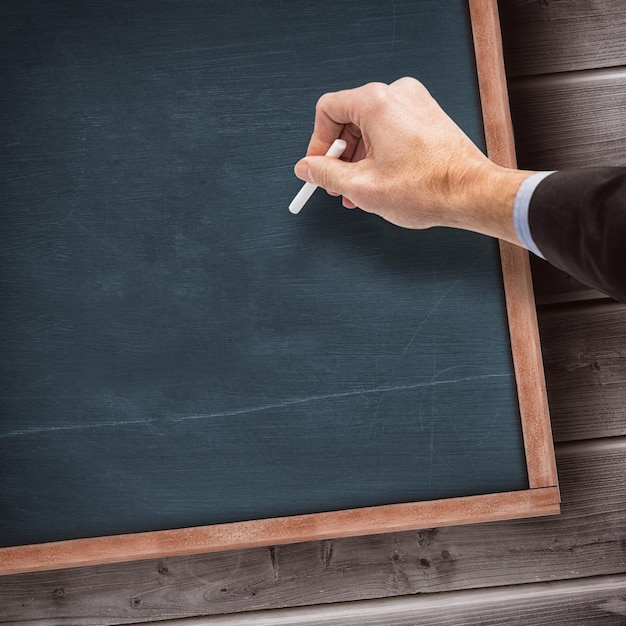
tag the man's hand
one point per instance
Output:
(408, 162)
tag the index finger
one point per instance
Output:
(336, 117)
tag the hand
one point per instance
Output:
(408, 162)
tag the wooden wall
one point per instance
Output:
(567, 71)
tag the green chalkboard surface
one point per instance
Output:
(177, 349)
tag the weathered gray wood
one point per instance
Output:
(584, 353)
(599, 600)
(572, 120)
(543, 36)
(588, 539)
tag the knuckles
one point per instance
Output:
(408, 82)
(375, 95)
(324, 100)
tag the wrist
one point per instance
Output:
(487, 205)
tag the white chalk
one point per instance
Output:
(335, 151)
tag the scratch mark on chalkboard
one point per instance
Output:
(426, 423)
(51, 429)
(431, 441)
(467, 450)
(431, 434)
(247, 410)
(335, 396)
(434, 308)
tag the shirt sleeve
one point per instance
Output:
(576, 218)
(520, 211)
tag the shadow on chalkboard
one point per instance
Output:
(389, 250)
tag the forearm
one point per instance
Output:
(408, 162)
(488, 204)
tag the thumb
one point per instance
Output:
(331, 174)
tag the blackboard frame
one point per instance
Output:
(542, 496)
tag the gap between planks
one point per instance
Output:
(571, 77)
(602, 445)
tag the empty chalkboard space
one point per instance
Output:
(177, 349)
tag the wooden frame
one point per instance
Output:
(542, 497)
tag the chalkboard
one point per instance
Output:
(178, 351)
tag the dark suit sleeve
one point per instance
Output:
(577, 218)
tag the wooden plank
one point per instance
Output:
(492, 82)
(545, 36)
(278, 531)
(600, 600)
(515, 262)
(575, 120)
(586, 540)
(528, 364)
(584, 352)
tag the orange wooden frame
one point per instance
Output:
(542, 497)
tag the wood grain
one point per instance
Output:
(586, 540)
(528, 365)
(600, 600)
(515, 264)
(575, 120)
(491, 76)
(546, 36)
(584, 351)
(279, 531)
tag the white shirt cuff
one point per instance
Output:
(520, 211)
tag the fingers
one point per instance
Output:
(346, 114)
(331, 174)
(327, 126)
(354, 143)
(339, 115)
(360, 152)
(374, 114)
